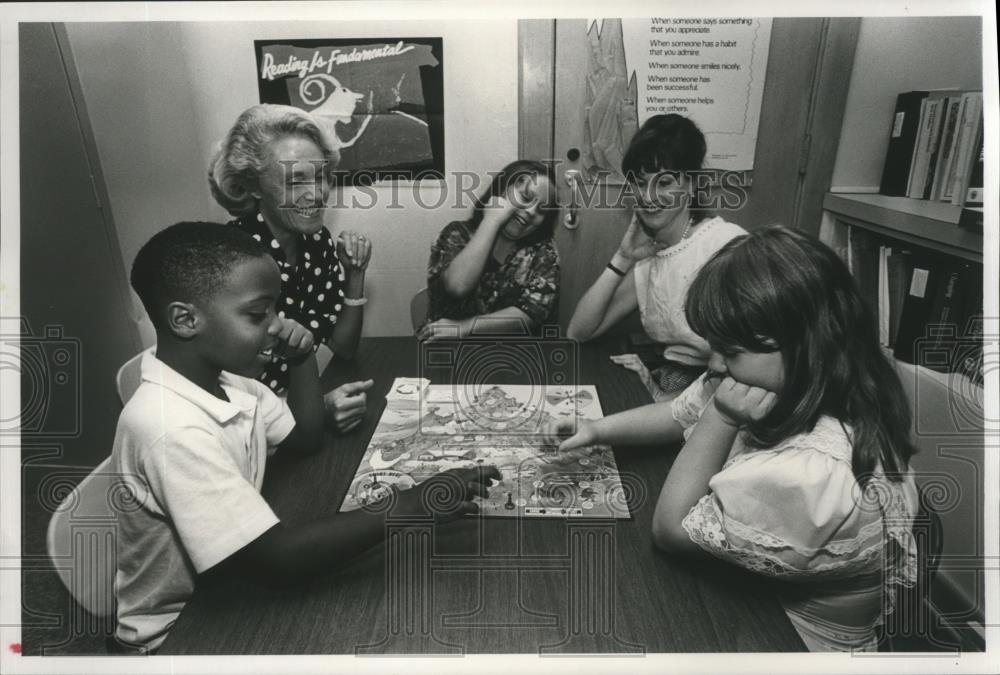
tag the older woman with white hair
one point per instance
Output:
(273, 172)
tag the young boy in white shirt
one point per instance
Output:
(193, 440)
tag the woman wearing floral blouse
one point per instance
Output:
(498, 271)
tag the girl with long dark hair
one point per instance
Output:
(796, 452)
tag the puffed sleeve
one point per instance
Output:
(690, 403)
(791, 511)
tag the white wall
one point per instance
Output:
(895, 55)
(160, 95)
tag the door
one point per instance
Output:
(807, 77)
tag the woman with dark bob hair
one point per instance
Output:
(667, 242)
(272, 172)
(498, 271)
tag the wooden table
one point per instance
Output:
(491, 585)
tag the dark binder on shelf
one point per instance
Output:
(902, 141)
(943, 299)
(971, 218)
(925, 284)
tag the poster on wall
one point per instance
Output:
(710, 69)
(381, 100)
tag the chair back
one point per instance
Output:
(81, 541)
(129, 378)
(929, 535)
(418, 309)
(910, 627)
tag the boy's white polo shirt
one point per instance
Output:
(196, 465)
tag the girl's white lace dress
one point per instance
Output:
(796, 512)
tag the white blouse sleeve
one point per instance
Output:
(689, 405)
(790, 511)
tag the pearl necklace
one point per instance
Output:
(684, 235)
(687, 229)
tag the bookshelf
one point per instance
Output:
(917, 269)
(927, 224)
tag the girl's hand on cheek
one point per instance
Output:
(739, 404)
(498, 211)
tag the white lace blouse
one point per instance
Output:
(796, 512)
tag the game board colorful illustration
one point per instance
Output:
(422, 433)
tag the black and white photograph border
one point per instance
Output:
(64, 359)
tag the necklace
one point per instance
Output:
(684, 235)
(687, 229)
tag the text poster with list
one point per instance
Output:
(711, 70)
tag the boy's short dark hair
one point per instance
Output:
(188, 261)
(665, 143)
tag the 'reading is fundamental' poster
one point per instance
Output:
(380, 99)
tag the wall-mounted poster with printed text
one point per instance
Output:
(709, 69)
(380, 99)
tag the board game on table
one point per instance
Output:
(426, 429)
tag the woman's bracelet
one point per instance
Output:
(355, 302)
(611, 266)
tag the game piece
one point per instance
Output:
(406, 392)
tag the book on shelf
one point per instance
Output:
(974, 193)
(864, 260)
(949, 125)
(948, 179)
(883, 294)
(882, 273)
(933, 141)
(898, 269)
(925, 149)
(971, 123)
(893, 276)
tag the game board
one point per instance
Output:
(455, 427)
